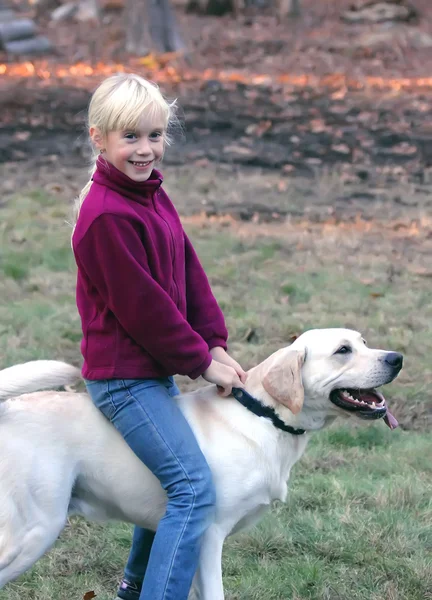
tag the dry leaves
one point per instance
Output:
(421, 271)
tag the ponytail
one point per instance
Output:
(83, 193)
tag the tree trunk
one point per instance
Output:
(216, 8)
(288, 8)
(219, 8)
(151, 25)
(295, 9)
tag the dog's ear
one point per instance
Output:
(283, 379)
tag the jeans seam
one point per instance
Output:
(113, 406)
(129, 393)
(179, 539)
(189, 482)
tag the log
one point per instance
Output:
(35, 45)
(19, 29)
(7, 15)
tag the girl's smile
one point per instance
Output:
(141, 165)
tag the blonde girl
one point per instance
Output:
(147, 313)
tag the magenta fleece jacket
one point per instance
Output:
(146, 306)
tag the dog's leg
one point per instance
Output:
(24, 548)
(208, 583)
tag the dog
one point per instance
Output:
(60, 456)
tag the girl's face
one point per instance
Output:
(133, 152)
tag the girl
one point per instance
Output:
(147, 313)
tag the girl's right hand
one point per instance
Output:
(223, 376)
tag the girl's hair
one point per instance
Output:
(119, 103)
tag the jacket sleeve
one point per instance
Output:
(203, 311)
(113, 257)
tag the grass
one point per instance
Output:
(348, 531)
(358, 521)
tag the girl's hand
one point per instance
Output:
(219, 354)
(224, 376)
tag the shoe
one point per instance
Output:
(129, 590)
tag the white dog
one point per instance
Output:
(60, 456)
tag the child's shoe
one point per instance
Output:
(129, 590)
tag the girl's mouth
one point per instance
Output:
(140, 164)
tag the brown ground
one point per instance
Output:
(302, 97)
(320, 43)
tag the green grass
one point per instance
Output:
(357, 524)
(349, 530)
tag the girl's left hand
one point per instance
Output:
(220, 355)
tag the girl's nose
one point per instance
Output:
(144, 147)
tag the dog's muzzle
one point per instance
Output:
(370, 404)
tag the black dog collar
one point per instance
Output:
(260, 410)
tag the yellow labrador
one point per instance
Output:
(60, 456)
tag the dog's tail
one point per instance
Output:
(36, 375)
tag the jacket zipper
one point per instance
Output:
(156, 194)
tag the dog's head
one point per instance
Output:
(331, 372)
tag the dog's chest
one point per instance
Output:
(251, 517)
(252, 508)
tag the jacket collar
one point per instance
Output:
(108, 175)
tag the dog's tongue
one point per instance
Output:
(390, 420)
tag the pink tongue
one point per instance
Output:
(390, 420)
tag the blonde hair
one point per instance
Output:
(119, 103)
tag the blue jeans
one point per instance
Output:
(151, 423)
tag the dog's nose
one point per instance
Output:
(394, 359)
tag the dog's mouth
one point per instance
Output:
(366, 404)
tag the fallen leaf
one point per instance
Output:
(202, 162)
(54, 188)
(376, 295)
(421, 272)
(22, 136)
(262, 128)
(317, 125)
(340, 94)
(89, 595)
(238, 150)
(404, 149)
(150, 61)
(341, 148)
(249, 335)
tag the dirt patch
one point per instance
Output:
(296, 96)
(297, 131)
(285, 121)
(257, 42)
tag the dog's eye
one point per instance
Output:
(343, 350)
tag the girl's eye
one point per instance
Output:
(130, 135)
(343, 350)
(155, 135)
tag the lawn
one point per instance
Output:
(357, 524)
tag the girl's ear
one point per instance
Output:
(97, 138)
